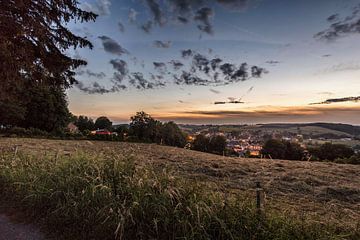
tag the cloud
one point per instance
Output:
(100, 7)
(147, 27)
(132, 16)
(341, 27)
(187, 53)
(338, 100)
(120, 65)
(203, 15)
(326, 55)
(162, 44)
(326, 93)
(272, 62)
(99, 75)
(156, 11)
(95, 88)
(160, 67)
(341, 67)
(138, 80)
(90, 73)
(111, 46)
(176, 64)
(121, 27)
(214, 91)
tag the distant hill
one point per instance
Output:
(335, 130)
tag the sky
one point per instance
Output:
(220, 61)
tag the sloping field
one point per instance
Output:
(324, 192)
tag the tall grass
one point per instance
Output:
(109, 197)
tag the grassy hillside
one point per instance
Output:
(319, 194)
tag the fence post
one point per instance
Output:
(258, 196)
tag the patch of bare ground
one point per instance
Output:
(325, 192)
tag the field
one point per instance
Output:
(324, 193)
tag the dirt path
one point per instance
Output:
(13, 227)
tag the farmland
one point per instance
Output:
(324, 193)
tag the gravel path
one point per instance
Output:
(12, 227)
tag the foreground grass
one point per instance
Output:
(109, 197)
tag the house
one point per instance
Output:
(72, 128)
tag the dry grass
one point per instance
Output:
(324, 192)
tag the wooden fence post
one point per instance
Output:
(258, 196)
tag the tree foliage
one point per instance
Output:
(33, 41)
(329, 151)
(144, 128)
(103, 123)
(278, 149)
(84, 123)
(215, 144)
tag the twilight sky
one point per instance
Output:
(183, 60)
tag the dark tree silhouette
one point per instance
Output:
(33, 42)
(103, 123)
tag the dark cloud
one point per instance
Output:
(214, 91)
(182, 19)
(90, 73)
(338, 100)
(201, 63)
(121, 27)
(160, 67)
(95, 88)
(162, 44)
(138, 80)
(272, 62)
(176, 64)
(257, 72)
(187, 53)
(333, 18)
(231, 100)
(132, 16)
(99, 75)
(111, 46)
(341, 27)
(156, 11)
(203, 15)
(120, 65)
(187, 78)
(147, 27)
(215, 63)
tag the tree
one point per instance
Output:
(201, 143)
(172, 135)
(103, 123)
(145, 128)
(274, 148)
(217, 144)
(329, 151)
(294, 151)
(46, 108)
(278, 149)
(33, 45)
(84, 123)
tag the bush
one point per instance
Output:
(330, 152)
(91, 197)
(278, 149)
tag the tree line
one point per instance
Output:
(281, 149)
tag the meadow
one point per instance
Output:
(117, 190)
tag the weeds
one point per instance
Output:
(109, 197)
